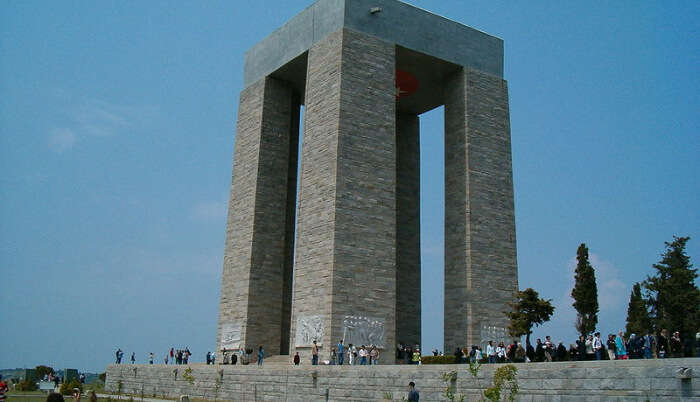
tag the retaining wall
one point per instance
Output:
(630, 380)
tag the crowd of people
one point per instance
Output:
(591, 347)
(173, 356)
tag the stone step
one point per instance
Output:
(278, 359)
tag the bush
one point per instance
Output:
(27, 385)
(438, 360)
(67, 387)
(102, 377)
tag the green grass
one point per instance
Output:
(40, 396)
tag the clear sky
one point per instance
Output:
(116, 141)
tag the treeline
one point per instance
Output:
(668, 300)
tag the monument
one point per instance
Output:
(343, 261)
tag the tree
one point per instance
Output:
(528, 310)
(585, 293)
(671, 293)
(638, 321)
(42, 370)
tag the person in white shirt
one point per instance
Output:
(491, 352)
(363, 356)
(501, 352)
(352, 351)
(597, 346)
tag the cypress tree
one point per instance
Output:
(585, 293)
(638, 321)
(672, 294)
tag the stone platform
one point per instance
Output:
(630, 380)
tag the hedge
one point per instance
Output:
(438, 360)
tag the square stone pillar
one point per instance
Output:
(408, 255)
(258, 225)
(480, 254)
(345, 265)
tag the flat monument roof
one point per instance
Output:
(397, 22)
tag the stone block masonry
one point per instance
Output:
(480, 256)
(251, 304)
(623, 380)
(346, 241)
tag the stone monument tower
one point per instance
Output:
(343, 261)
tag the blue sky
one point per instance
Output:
(116, 141)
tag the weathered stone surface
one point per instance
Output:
(254, 257)
(346, 231)
(354, 383)
(480, 255)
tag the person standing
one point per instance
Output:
(261, 355)
(341, 352)
(208, 357)
(241, 355)
(590, 354)
(314, 354)
(118, 354)
(548, 348)
(561, 352)
(297, 359)
(351, 354)
(150, 358)
(581, 348)
(662, 344)
(631, 346)
(676, 345)
(501, 352)
(3, 389)
(648, 345)
(416, 356)
(374, 355)
(491, 352)
(597, 346)
(620, 349)
(413, 395)
(363, 356)
(133, 357)
(611, 346)
(334, 357)
(172, 355)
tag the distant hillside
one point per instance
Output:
(19, 374)
(12, 373)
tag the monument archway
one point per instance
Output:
(357, 216)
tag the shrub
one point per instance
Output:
(504, 379)
(102, 377)
(438, 360)
(27, 385)
(67, 387)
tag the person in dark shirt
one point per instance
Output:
(581, 347)
(413, 395)
(539, 351)
(561, 352)
(676, 345)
